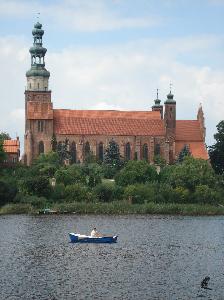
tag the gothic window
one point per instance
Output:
(145, 152)
(38, 85)
(100, 151)
(157, 149)
(40, 125)
(127, 151)
(41, 147)
(87, 149)
(73, 152)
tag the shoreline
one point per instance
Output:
(117, 208)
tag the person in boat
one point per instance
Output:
(95, 233)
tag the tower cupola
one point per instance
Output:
(37, 76)
(157, 106)
(170, 99)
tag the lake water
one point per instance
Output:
(156, 257)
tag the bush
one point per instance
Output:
(109, 171)
(136, 172)
(167, 194)
(58, 192)
(77, 193)
(105, 191)
(7, 192)
(38, 186)
(93, 173)
(138, 194)
(70, 175)
(204, 194)
(191, 173)
(35, 201)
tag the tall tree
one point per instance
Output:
(63, 151)
(216, 151)
(2, 152)
(183, 153)
(112, 155)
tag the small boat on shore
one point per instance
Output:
(80, 238)
(47, 211)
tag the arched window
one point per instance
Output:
(145, 152)
(40, 125)
(127, 151)
(100, 151)
(73, 152)
(157, 149)
(87, 149)
(41, 147)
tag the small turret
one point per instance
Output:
(201, 119)
(157, 106)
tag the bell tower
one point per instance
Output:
(170, 124)
(38, 105)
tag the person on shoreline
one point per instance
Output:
(95, 233)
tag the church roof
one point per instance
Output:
(197, 149)
(11, 146)
(188, 130)
(108, 122)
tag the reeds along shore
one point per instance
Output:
(119, 208)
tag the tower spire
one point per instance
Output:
(37, 76)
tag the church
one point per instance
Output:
(139, 134)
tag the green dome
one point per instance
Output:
(38, 71)
(38, 25)
(170, 99)
(38, 50)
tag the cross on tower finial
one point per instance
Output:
(157, 93)
(170, 87)
(38, 16)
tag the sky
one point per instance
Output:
(114, 54)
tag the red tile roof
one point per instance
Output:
(11, 146)
(102, 114)
(197, 149)
(97, 122)
(39, 110)
(188, 130)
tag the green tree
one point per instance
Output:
(63, 151)
(4, 136)
(93, 173)
(216, 152)
(191, 173)
(70, 175)
(136, 172)
(2, 152)
(112, 155)
(183, 153)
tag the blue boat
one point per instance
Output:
(80, 238)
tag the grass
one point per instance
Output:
(121, 207)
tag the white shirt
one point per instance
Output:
(94, 233)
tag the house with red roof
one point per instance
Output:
(12, 150)
(139, 134)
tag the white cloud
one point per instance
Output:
(78, 15)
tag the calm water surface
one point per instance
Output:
(156, 257)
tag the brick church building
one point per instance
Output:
(139, 134)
